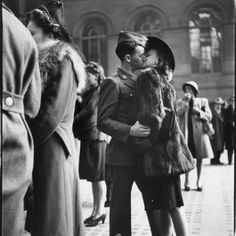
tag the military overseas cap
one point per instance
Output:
(131, 38)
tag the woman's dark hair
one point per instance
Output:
(123, 49)
(96, 69)
(195, 92)
(166, 62)
(43, 19)
(163, 65)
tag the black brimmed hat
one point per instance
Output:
(158, 44)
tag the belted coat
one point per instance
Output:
(21, 94)
(55, 176)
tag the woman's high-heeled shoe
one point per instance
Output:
(95, 222)
(186, 188)
(87, 220)
(199, 189)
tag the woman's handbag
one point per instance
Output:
(208, 128)
(169, 155)
(207, 125)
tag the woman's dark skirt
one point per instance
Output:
(92, 160)
(161, 193)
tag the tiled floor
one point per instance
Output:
(208, 213)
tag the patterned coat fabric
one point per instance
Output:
(55, 176)
(201, 139)
(21, 94)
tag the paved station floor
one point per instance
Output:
(208, 213)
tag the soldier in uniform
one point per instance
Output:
(117, 117)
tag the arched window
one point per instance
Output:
(94, 41)
(147, 23)
(205, 40)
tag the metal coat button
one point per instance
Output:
(9, 101)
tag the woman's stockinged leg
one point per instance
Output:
(179, 221)
(160, 222)
(166, 224)
(154, 221)
(94, 200)
(98, 196)
(199, 172)
(186, 182)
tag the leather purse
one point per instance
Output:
(208, 128)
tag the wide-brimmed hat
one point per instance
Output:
(131, 38)
(158, 44)
(193, 84)
(219, 100)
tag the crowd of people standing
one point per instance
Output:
(52, 95)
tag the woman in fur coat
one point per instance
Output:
(162, 196)
(55, 174)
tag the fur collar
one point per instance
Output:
(55, 51)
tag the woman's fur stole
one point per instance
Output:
(160, 156)
(55, 51)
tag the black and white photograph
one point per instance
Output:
(118, 118)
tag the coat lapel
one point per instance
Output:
(218, 115)
(127, 78)
(130, 83)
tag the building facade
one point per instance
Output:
(200, 33)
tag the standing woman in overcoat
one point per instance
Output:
(191, 112)
(55, 174)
